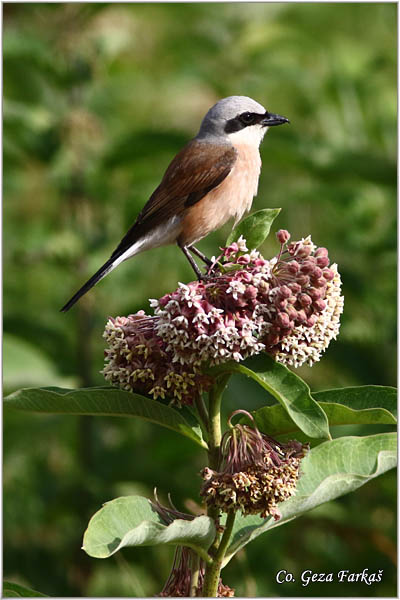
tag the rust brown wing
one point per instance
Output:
(197, 169)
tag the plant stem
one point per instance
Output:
(214, 444)
(202, 410)
(211, 579)
(214, 421)
(194, 581)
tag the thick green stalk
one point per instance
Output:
(214, 420)
(202, 413)
(212, 575)
(214, 441)
(214, 445)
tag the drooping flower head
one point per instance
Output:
(256, 472)
(180, 578)
(170, 513)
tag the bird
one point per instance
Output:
(212, 179)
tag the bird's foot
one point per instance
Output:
(206, 277)
(213, 268)
(202, 256)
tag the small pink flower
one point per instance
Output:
(283, 236)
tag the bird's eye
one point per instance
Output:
(247, 118)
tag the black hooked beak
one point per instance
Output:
(270, 119)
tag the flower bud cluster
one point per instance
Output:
(257, 473)
(306, 344)
(301, 290)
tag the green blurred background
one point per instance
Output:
(97, 100)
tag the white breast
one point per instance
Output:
(244, 179)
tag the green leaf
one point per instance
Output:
(132, 521)
(102, 402)
(291, 391)
(373, 403)
(330, 470)
(14, 590)
(365, 405)
(255, 228)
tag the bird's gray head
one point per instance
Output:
(239, 119)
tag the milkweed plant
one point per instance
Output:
(256, 317)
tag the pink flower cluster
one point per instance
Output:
(137, 360)
(288, 306)
(217, 319)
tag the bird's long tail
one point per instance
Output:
(102, 272)
(126, 249)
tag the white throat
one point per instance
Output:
(249, 136)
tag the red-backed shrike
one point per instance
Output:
(212, 179)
